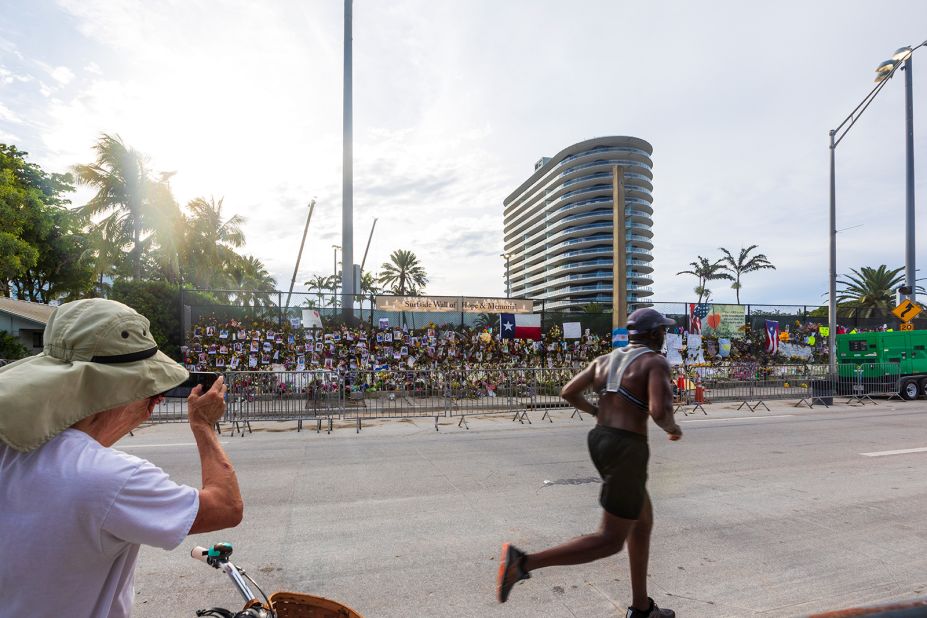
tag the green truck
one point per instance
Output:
(883, 362)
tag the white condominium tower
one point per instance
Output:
(558, 225)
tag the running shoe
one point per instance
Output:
(653, 612)
(511, 571)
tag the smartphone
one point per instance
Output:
(204, 378)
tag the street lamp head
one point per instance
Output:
(885, 70)
(886, 67)
(902, 53)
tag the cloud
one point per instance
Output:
(62, 75)
(8, 77)
(8, 115)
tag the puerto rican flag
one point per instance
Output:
(520, 326)
(697, 313)
(772, 336)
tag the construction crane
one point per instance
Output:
(299, 256)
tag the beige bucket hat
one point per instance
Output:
(99, 354)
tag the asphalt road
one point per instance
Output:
(777, 513)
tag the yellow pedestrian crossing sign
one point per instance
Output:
(907, 310)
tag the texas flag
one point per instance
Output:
(520, 326)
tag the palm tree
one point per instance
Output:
(334, 282)
(369, 289)
(211, 242)
(742, 264)
(869, 289)
(368, 284)
(249, 275)
(170, 230)
(486, 320)
(706, 271)
(403, 274)
(124, 194)
(319, 283)
(104, 252)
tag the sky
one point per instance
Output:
(454, 101)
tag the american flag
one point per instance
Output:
(697, 313)
(772, 336)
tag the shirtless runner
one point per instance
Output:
(633, 382)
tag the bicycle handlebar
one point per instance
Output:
(218, 557)
(200, 553)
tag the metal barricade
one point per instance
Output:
(753, 384)
(860, 381)
(283, 396)
(393, 393)
(469, 392)
(172, 410)
(550, 381)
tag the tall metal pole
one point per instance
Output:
(508, 276)
(909, 259)
(832, 283)
(335, 275)
(508, 286)
(347, 184)
(299, 255)
(619, 251)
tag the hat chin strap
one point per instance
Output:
(125, 358)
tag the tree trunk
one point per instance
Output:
(137, 265)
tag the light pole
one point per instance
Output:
(347, 178)
(508, 283)
(885, 71)
(902, 58)
(335, 275)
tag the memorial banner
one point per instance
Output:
(725, 321)
(458, 304)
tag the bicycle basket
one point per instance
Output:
(295, 605)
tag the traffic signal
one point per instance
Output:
(905, 289)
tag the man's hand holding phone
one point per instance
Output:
(207, 408)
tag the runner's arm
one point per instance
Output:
(660, 394)
(573, 391)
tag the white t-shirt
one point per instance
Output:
(73, 514)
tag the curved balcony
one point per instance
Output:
(631, 179)
(599, 214)
(602, 150)
(636, 281)
(581, 289)
(578, 229)
(579, 302)
(600, 238)
(634, 165)
(538, 218)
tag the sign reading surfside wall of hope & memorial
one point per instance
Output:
(466, 304)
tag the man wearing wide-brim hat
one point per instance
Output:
(73, 511)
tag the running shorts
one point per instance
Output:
(621, 458)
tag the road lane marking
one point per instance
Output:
(898, 452)
(737, 418)
(121, 446)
